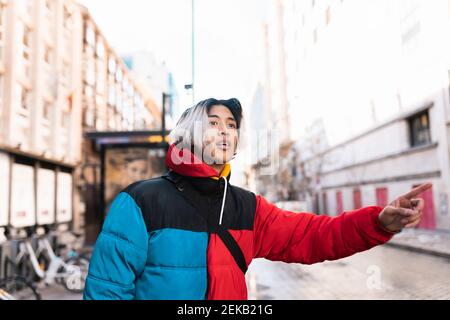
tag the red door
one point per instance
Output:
(325, 204)
(382, 197)
(357, 203)
(428, 215)
(339, 204)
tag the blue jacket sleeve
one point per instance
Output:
(120, 253)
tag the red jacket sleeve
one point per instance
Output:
(308, 238)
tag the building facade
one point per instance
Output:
(59, 79)
(376, 76)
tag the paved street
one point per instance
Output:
(401, 274)
(57, 292)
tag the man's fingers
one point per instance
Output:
(404, 212)
(412, 219)
(413, 224)
(416, 191)
(418, 204)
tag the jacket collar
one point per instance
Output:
(202, 176)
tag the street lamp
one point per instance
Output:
(193, 52)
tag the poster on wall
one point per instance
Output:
(4, 189)
(22, 196)
(45, 196)
(124, 166)
(64, 197)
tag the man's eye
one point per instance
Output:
(232, 126)
(213, 123)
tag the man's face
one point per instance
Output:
(221, 136)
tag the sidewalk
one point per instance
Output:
(436, 243)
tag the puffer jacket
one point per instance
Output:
(154, 245)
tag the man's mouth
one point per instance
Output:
(223, 145)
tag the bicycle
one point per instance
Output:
(18, 288)
(26, 264)
(74, 249)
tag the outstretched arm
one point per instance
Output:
(308, 238)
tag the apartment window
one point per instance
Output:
(90, 35)
(119, 102)
(112, 66)
(419, 129)
(119, 75)
(26, 43)
(89, 116)
(90, 71)
(25, 99)
(101, 78)
(67, 19)
(100, 50)
(125, 85)
(48, 55)
(89, 92)
(112, 96)
(99, 124)
(47, 109)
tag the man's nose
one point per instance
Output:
(223, 129)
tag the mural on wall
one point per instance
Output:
(123, 166)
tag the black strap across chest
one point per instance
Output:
(200, 203)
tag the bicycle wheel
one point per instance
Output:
(20, 288)
(75, 282)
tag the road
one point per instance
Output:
(380, 273)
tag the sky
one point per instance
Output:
(229, 57)
(228, 40)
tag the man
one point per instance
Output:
(191, 235)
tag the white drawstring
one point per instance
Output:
(223, 200)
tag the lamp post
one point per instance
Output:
(193, 51)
